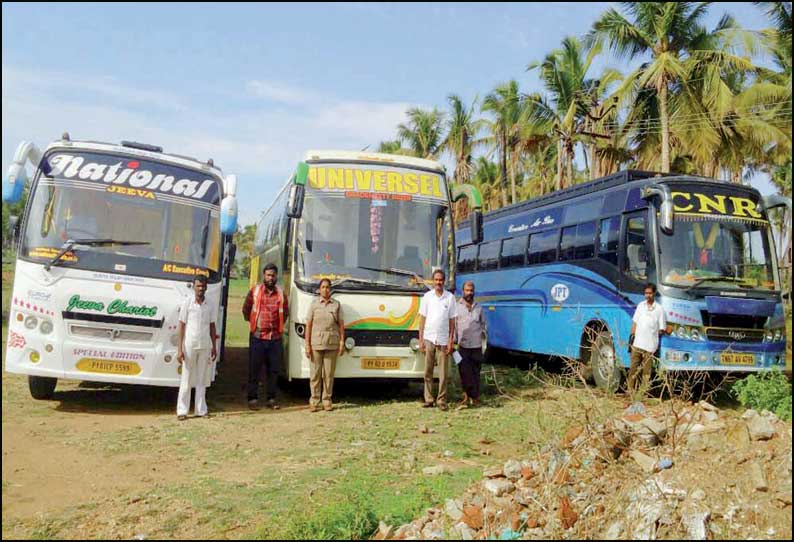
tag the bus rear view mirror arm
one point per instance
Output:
(666, 207)
(17, 176)
(773, 201)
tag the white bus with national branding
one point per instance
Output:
(110, 242)
(376, 225)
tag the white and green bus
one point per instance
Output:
(376, 225)
(111, 239)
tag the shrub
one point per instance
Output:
(765, 391)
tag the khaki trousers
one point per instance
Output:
(321, 380)
(641, 362)
(435, 354)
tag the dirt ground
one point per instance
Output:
(113, 462)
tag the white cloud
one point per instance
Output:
(261, 145)
(280, 93)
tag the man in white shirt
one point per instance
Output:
(436, 331)
(196, 349)
(648, 324)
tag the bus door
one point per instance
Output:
(636, 257)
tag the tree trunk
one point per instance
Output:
(559, 165)
(569, 160)
(665, 128)
(504, 168)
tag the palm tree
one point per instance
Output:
(486, 178)
(508, 108)
(462, 129)
(671, 33)
(573, 99)
(423, 133)
(393, 147)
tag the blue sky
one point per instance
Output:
(255, 85)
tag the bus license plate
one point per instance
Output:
(380, 363)
(732, 358)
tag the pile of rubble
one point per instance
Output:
(694, 472)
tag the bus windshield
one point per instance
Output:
(717, 251)
(181, 233)
(363, 242)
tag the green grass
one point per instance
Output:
(237, 329)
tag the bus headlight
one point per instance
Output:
(45, 327)
(31, 322)
(414, 344)
(768, 336)
(300, 329)
(350, 343)
(695, 335)
(681, 332)
(778, 334)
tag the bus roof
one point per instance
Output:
(353, 156)
(176, 159)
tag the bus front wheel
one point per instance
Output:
(604, 363)
(42, 387)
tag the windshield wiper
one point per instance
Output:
(713, 279)
(392, 270)
(67, 246)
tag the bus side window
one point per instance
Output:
(513, 250)
(542, 247)
(585, 240)
(636, 261)
(608, 238)
(568, 243)
(488, 257)
(467, 256)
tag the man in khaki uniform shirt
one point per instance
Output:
(325, 339)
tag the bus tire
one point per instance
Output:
(603, 361)
(42, 387)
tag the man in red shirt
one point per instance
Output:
(265, 309)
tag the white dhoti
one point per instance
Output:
(196, 371)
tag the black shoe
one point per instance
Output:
(253, 404)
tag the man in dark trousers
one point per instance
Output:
(470, 329)
(265, 309)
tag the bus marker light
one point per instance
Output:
(20, 317)
(34, 357)
(414, 344)
(350, 343)
(167, 358)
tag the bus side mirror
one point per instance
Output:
(475, 226)
(666, 216)
(229, 206)
(14, 183)
(295, 201)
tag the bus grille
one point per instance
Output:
(730, 335)
(378, 337)
(111, 334)
(732, 320)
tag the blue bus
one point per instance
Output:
(562, 274)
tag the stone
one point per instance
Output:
(697, 525)
(385, 531)
(757, 477)
(435, 470)
(492, 472)
(737, 436)
(454, 509)
(646, 462)
(571, 435)
(527, 473)
(498, 487)
(566, 514)
(760, 428)
(708, 407)
(433, 531)
(465, 532)
(473, 517)
(710, 416)
(512, 469)
(749, 413)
